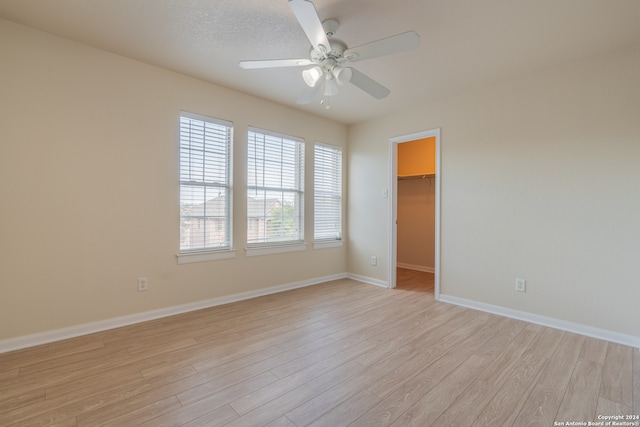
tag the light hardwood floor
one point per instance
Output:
(336, 354)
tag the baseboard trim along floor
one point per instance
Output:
(551, 322)
(26, 341)
(32, 340)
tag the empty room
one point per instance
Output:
(326, 212)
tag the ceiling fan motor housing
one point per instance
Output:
(334, 51)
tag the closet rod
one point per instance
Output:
(420, 176)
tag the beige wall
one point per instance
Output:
(540, 180)
(89, 187)
(416, 224)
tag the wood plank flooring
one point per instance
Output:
(342, 353)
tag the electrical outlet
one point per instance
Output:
(143, 284)
(521, 285)
(374, 260)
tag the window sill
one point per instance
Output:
(189, 258)
(324, 244)
(276, 249)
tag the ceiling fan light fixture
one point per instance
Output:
(312, 75)
(330, 86)
(342, 74)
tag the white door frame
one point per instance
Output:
(393, 206)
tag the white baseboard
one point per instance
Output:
(551, 322)
(369, 280)
(423, 268)
(12, 344)
(89, 328)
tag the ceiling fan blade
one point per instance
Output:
(308, 18)
(309, 93)
(394, 44)
(274, 63)
(368, 85)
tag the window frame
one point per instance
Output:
(207, 252)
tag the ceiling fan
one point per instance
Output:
(329, 55)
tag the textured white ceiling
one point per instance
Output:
(464, 43)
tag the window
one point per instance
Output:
(327, 200)
(275, 189)
(205, 183)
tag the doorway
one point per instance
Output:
(393, 214)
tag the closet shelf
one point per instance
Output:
(419, 176)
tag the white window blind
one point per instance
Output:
(275, 188)
(327, 200)
(205, 183)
